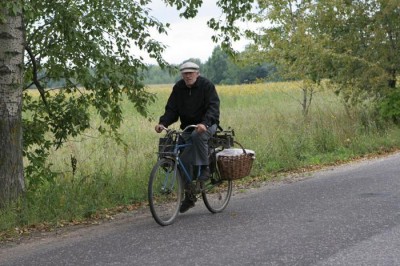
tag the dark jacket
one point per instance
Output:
(195, 105)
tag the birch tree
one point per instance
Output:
(11, 82)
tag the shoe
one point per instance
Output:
(204, 174)
(187, 203)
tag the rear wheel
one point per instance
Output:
(165, 191)
(216, 193)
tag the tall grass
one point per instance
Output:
(267, 118)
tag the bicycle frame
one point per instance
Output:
(176, 152)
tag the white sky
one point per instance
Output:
(187, 38)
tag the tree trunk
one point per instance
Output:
(11, 82)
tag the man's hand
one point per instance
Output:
(159, 128)
(201, 128)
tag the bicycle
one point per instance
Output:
(170, 178)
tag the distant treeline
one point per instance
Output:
(219, 68)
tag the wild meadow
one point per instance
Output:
(95, 174)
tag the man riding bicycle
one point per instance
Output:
(194, 100)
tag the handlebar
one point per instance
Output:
(223, 138)
(189, 126)
(186, 128)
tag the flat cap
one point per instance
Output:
(189, 67)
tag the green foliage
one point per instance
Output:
(12, 7)
(222, 69)
(216, 67)
(361, 47)
(390, 106)
(229, 31)
(190, 6)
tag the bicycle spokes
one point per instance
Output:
(169, 183)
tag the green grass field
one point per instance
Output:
(267, 118)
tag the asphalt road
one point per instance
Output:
(347, 215)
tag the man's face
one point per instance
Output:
(190, 78)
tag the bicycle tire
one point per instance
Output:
(216, 193)
(165, 191)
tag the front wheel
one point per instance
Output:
(216, 193)
(165, 191)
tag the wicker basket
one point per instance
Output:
(235, 167)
